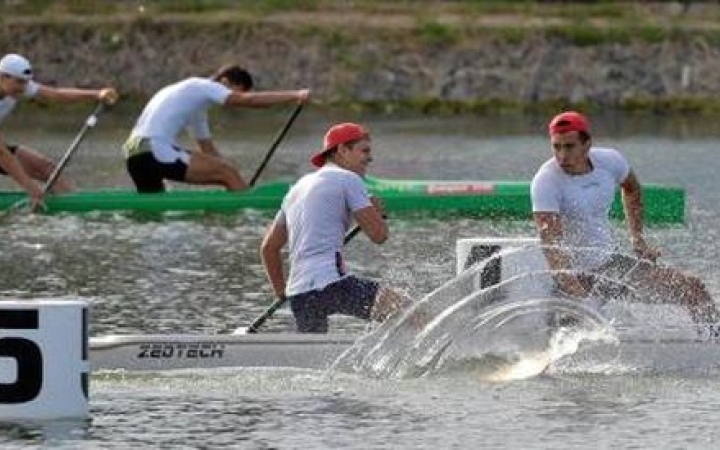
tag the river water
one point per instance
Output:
(203, 275)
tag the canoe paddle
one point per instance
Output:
(90, 122)
(253, 328)
(276, 143)
(257, 323)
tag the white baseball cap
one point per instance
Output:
(16, 66)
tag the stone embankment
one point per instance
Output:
(366, 63)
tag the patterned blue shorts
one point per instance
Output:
(350, 296)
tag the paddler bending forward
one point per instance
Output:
(20, 162)
(152, 151)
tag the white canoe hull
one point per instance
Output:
(169, 352)
(187, 351)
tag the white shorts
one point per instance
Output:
(167, 152)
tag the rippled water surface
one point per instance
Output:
(203, 275)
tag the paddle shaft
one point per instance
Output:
(89, 123)
(253, 328)
(352, 233)
(276, 143)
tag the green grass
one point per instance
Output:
(578, 10)
(582, 22)
(434, 33)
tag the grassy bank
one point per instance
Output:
(603, 9)
(583, 23)
(342, 28)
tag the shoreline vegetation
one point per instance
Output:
(422, 56)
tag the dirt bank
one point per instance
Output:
(391, 58)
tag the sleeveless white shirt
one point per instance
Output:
(7, 103)
(178, 106)
(583, 202)
(317, 212)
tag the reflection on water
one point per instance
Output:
(52, 433)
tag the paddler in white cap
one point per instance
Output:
(24, 164)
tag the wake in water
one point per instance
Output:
(503, 331)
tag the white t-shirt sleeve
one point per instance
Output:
(356, 193)
(280, 217)
(545, 192)
(614, 162)
(217, 92)
(31, 89)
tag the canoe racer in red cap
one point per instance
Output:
(314, 217)
(571, 198)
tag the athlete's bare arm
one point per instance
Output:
(371, 221)
(108, 95)
(267, 98)
(271, 254)
(633, 207)
(549, 227)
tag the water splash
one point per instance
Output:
(510, 340)
(503, 328)
(519, 327)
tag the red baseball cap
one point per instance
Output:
(336, 135)
(568, 121)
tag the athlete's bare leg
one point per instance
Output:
(390, 302)
(208, 169)
(38, 167)
(670, 285)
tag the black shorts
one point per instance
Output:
(350, 296)
(148, 173)
(13, 149)
(613, 278)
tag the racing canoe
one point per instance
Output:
(491, 199)
(673, 352)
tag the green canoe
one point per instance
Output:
(491, 199)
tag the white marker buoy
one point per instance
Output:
(44, 367)
(512, 257)
(472, 250)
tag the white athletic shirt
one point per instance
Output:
(7, 103)
(317, 212)
(178, 106)
(583, 202)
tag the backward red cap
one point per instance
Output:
(336, 135)
(567, 122)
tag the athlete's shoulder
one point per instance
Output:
(197, 80)
(548, 169)
(196, 83)
(344, 179)
(607, 155)
(349, 177)
(605, 151)
(337, 171)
